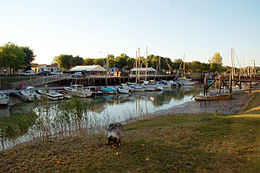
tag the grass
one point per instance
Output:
(168, 143)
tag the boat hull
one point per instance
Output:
(212, 98)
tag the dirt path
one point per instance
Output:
(234, 105)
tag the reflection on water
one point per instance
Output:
(77, 116)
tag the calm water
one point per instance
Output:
(103, 110)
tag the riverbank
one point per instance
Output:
(202, 142)
(234, 105)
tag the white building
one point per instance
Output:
(143, 71)
(90, 69)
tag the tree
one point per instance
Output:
(11, 56)
(64, 61)
(110, 61)
(217, 59)
(89, 61)
(120, 61)
(29, 58)
(99, 61)
(130, 63)
(195, 66)
(216, 62)
(77, 61)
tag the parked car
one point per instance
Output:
(77, 74)
(57, 72)
(44, 73)
(28, 73)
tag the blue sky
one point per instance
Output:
(170, 28)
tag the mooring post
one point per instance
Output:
(239, 82)
(219, 84)
(230, 84)
(250, 84)
(205, 84)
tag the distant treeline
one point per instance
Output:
(14, 57)
(123, 61)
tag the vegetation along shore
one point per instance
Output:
(201, 142)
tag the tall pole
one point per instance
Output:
(139, 64)
(146, 72)
(232, 59)
(136, 68)
(184, 65)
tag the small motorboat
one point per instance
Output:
(107, 90)
(30, 94)
(123, 91)
(4, 99)
(51, 94)
(137, 88)
(165, 84)
(149, 87)
(78, 90)
(94, 90)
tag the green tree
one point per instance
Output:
(217, 59)
(89, 61)
(29, 58)
(130, 63)
(110, 61)
(120, 61)
(77, 61)
(64, 61)
(216, 62)
(99, 61)
(195, 66)
(205, 67)
(11, 56)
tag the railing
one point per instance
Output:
(41, 80)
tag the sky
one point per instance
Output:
(169, 28)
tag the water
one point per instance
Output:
(91, 115)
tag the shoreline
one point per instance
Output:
(234, 105)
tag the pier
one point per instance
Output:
(99, 80)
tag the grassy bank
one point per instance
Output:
(168, 143)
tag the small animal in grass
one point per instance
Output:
(114, 134)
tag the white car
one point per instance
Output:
(28, 73)
(77, 74)
(57, 72)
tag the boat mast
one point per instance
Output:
(146, 73)
(138, 64)
(184, 65)
(136, 68)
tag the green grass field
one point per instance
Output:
(168, 143)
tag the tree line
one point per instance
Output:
(124, 62)
(15, 57)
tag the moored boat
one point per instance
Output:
(4, 99)
(78, 90)
(94, 90)
(213, 97)
(30, 94)
(107, 90)
(51, 94)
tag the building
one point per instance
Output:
(143, 71)
(43, 67)
(90, 70)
